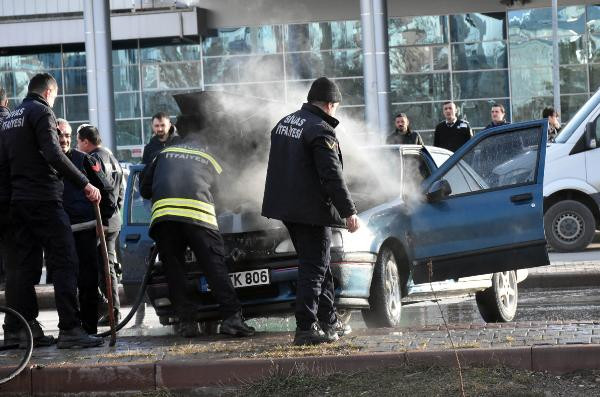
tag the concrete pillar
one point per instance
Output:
(376, 65)
(98, 48)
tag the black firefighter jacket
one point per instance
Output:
(76, 205)
(36, 161)
(179, 182)
(114, 174)
(304, 176)
(4, 175)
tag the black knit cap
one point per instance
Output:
(325, 90)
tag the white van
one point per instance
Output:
(572, 181)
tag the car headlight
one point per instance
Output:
(287, 247)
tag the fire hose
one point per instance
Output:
(150, 261)
(28, 350)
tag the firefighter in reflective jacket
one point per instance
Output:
(183, 215)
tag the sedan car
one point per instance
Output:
(434, 225)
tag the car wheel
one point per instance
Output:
(498, 304)
(569, 226)
(385, 293)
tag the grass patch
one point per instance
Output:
(330, 349)
(425, 381)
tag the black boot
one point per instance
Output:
(188, 329)
(338, 327)
(236, 326)
(12, 337)
(77, 338)
(312, 336)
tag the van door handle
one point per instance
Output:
(519, 198)
(133, 238)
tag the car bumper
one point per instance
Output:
(352, 279)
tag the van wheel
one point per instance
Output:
(385, 293)
(569, 226)
(498, 304)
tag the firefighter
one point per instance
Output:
(37, 166)
(89, 141)
(306, 190)
(179, 182)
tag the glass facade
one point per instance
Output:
(474, 59)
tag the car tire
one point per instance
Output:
(569, 226)
(385, 297)
(498, 304)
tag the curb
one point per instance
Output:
(193, 374)
(561, 280)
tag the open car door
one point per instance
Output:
(483, 208)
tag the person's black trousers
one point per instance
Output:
(44, 223)
(20, 280)
(111, 246)
(172, 239)
(87, 280)
(315, 292)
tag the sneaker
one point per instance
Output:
(313, 336)
(77, 338)
(104, 321)
(338, 327)
(19, 337)
(236, 326)
(188, 329)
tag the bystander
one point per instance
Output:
(453, 132)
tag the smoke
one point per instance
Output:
(235, 125)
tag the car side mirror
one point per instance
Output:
(438, 190)
(590, 135)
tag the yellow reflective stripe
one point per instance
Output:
(181, 202)
(197, 153)
(185, 214)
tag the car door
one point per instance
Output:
(135, 244)
(492, 219)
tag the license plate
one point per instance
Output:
(249, 278)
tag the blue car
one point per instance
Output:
(434, 225)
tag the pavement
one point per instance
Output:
(144, 360)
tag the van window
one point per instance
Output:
(579, 118)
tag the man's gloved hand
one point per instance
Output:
(92, 193)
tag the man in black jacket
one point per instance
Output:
(403, 135)
(453, 132)
(89, 141)
(83, 222)
(498, 116)
(164, 134)
(37, 166)
(306, 190)
(179, 182)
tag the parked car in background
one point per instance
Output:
(435, 225)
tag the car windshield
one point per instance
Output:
(377, 175)
(569, 129)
